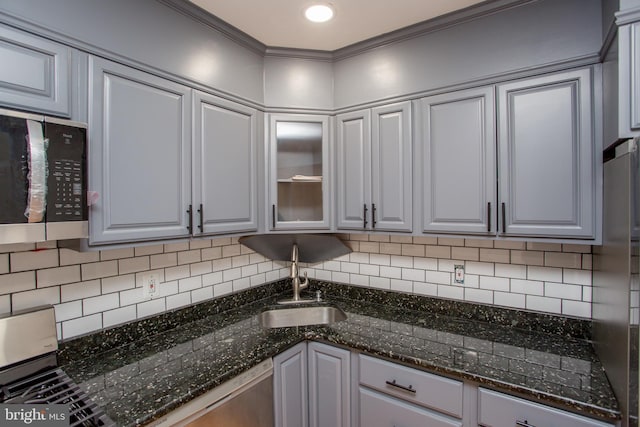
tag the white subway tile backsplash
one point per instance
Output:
(438, 277)
(479, 268)
(80, 290)
(512, 271)
(507, 299)
(222, 289)
(412, 274)
(112, 254)
(389, 248)
(577, 277)
(70, 257)
(544, 277)
(176, 273)
(150, 308)
(190, 283)
(494, 283)
(164, 260)
(563, 291)
(81, 326)
(467, 254)
(119, 316)
(546, 304)
(97, 270)
(58, 276)
(68, 310)
(478, 295)
(401, 285)
(451, 292)
(391, 272)
(559, 259)
(29, 299)
(544, 274)
(5, 304)
(202, 294)
(380, 283)
(17, 282)
(576, 308)
(133, 265)
(178, 300)
(24, 261)
(100, 303)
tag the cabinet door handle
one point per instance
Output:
(201, 212)
(273, 216)
(190, 226)
(373, 215)
(504, 220)
(393, 383)
(489, 217)
(524, 423)
(364, 215)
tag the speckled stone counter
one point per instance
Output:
(141, 371)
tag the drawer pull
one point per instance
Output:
(524, 423)
(393, 383)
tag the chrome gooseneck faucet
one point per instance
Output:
(295, 275)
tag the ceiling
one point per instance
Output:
(281, 23)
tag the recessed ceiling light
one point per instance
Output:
(319, 13)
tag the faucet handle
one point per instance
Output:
(305, 282)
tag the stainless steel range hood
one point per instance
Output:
(312, 248)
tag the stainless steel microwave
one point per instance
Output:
(43, 178)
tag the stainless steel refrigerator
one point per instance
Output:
(616, 293)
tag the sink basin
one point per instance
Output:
(301, 316)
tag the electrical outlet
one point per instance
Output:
(459, 273)
(150, 284)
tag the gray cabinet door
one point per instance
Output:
(290, 387)
(299, 179)
(546, 150)
(458, 174)
(629, 80)
(391, 157)
(139, 154)
(224, 166)
(329, 386)
(35, 73)
(353, 170)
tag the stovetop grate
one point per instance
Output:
(55, 387)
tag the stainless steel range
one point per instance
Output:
(29, 374)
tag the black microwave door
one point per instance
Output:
(14, 168)
(67, 181)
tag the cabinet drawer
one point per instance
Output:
(378, 410)
(432, 391)
(497, 410)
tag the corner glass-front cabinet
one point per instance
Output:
(298, 172)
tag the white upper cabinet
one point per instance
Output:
(547, 178)
(457, 168)
(139, 154)
(224, 166)
(374, 173)
(629, 80)
(299, 179)
(35, 73)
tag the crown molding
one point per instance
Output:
(628, 16)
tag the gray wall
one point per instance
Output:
(527, 36)
(298, 83)
(153, 34)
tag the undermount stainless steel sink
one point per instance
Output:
(301, 316)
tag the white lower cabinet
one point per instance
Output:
(395, 395)
(380, 410)
(497, 410)
(312, 386)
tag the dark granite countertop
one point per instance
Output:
(141, 371)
